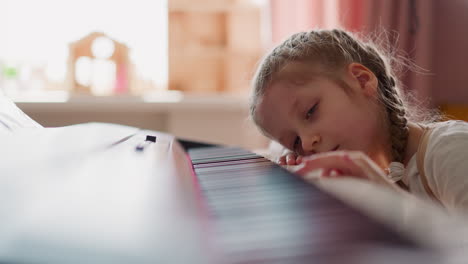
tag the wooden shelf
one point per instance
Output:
(213, 44)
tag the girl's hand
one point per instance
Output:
(344, 163)
(290, 158)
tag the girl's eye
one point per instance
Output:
(311, 111)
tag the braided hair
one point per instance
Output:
(334, 49)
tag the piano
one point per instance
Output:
(102, 193)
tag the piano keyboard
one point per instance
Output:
(262, 213)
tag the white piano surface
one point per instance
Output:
(69, 195)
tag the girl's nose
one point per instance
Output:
(310, 143)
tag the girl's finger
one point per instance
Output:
(282, 160)
(291, 159)
(339, 161)
(354, 164)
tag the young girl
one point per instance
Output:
(333, 101)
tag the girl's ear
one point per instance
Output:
(364, 78)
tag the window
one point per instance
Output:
(35, 36)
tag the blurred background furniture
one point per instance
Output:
(214, 45)
(206, 52)
(99, 65)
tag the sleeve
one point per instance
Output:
(446, 168)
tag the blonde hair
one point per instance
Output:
(334, 49)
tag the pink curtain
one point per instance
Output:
(292, 16)
(410, 19)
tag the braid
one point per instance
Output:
(398, 122)
(334, 49)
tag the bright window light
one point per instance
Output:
(103, 48)
(83, 70)
(37, 33)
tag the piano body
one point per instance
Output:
(102, 193)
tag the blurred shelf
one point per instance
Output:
(214, 45)
(216, 118)
(151, 102)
